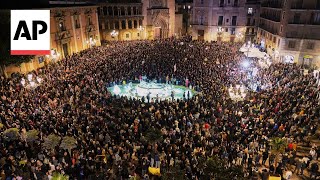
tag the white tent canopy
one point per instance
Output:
(252, 52)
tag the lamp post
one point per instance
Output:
(114, 34)
(237, 93)
(140, 29)
(239, 36)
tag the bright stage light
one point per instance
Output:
(29, 77)
(23, 81)
(116, 90)
(245, 64)
(39, 80)
(32, 84)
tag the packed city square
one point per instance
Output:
(62, 118)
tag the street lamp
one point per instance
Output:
(114, 33)
(237, 93)
(140, 29)
(239, 35)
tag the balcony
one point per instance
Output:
(250, 24)
(271, 30)
(302, 35)
(272, 4)
(270, 17)
(297, 22)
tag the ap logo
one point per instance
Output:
(30, 32)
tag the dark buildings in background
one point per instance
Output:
(290, 30)
(224, 20)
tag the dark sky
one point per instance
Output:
(23, 4)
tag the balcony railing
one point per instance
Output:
(269, 29)
(270, 17)
(303, 36)
(296, 22)
(272, 4)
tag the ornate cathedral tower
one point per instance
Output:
(159, 17)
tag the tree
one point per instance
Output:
(32, 136)
(174, 173)
(11, 134)
(216, 168)
(153, 136)
(68, 143)
(51, 142)
(58, 176)
(278, 146)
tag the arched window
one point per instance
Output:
(129, 24)
(123, 24)
(61, 26)
(135, 24)
(123, 11)
(110, 11)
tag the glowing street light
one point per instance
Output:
(245, 64)
(39, 79)
(23, 81)
(30, 77)
(32, 84)
(114, 33)
(237, 93)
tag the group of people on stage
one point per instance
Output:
(72, 101)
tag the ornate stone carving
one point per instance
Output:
(156, 3)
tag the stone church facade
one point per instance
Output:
(145, 19)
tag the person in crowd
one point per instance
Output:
(72, 100)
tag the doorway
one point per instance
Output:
(158, 33)
(65, 49)
(201, 35)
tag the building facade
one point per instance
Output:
(290, 30)
(134, 20)
(124, 19)
(72, 29)
(223, 20)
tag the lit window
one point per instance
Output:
(250, 10)
(127, 35)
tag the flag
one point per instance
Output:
(174, 68)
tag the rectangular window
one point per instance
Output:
(310, 45)
(234, 20)
(283, 14)
(236, 3)
(318, 5)
(226, 29)
(221, 4)
(292, 44)
(233, 31)
(281, 27)
(220, 20)
(274, 39)
(201, 1)
(227, 20)
(250, 10)
(76, 24)
(138, 34)
(296, 18)
(127, 35)
(201, 20)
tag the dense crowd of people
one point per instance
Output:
(72, 100)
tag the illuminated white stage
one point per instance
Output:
(153, 90)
